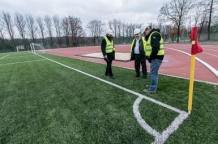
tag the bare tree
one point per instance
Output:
(1, 33)
(201, 16)
(211, 11)
(197, 13)
(20, 23)
(204, 15)
(131, 28)
(96, 28)
(123, 27)
(31, 26)
(9, 26)
(129, 31)
(113, 25)
(57, 25)
(176, 11)
(66, 30)
(2, 38)
(119, 25)
(41, 26)
(75, 29)
(48, 23)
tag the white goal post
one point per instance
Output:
(20, 47)
(36, 47)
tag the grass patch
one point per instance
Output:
(42, 102)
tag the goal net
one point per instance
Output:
(37, 48)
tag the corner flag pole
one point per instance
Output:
(196, 48)
(191, 83)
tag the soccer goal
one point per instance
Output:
(20, 48)
(37, 48)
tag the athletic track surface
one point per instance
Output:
(176, 61)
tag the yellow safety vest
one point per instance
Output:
(144, 44)
(109, 45)
(149, 48)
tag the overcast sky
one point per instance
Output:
(128, 11)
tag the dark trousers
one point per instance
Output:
(110, 58)
(138, 61)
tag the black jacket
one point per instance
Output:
(155, 44)
(141, 49)
(103, 45)
(111, 56)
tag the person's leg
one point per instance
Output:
(137, 65)
(154, 67)
(107, 68)
(110, 59)
(144, 68)
(110, 68)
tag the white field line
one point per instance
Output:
(21, 62)
(4, 56)
(160, 138)
(120, 87)
(201, 61)
(21, 56)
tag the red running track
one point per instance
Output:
(176, 61)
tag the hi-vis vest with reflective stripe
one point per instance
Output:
(149, 48)
(109, 46)
(144, 43)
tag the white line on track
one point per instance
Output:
(160, 138)
(202, 52)
(210, 54)
(201, 61)
(21, 62)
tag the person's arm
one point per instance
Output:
(155, 44)
(103, 48)
(132, 56)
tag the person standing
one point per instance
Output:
(108, 51)
(138, 53)
(154, 54)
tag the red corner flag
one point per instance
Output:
(196, 48)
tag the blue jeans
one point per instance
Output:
(154, 67)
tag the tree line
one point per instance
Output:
(184, 14)
(176, 17)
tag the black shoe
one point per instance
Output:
(107, 75)
(137, 75)
(112, 77)
(144, 76)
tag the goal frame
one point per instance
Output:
(33, 49)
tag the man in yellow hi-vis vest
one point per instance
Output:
(108, 51)
(154, 54)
